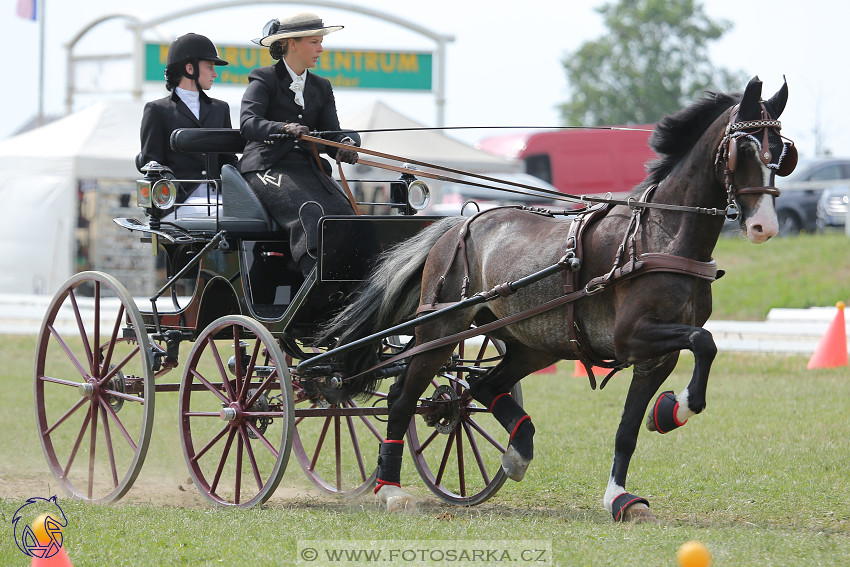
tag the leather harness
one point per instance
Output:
(570, 272)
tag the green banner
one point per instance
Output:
(351, 69)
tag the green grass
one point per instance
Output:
(760, 477)
(799, 272)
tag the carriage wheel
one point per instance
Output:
(336, 444)
(459, 456)
(94, 388)
(236, 412)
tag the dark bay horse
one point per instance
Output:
(721, 152)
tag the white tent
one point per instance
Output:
(39, 175)
(430, 146)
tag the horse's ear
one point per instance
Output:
(750, 108)
(777, 101)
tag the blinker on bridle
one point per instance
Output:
(728, 152)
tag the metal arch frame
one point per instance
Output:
(71, 59)
(441, 40)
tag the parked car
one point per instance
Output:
(459, 198)
(797, 206)
(832, 207)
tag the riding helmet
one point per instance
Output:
(193, 46)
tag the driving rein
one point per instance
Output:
(727, 151)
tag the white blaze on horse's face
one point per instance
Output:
(762, 224)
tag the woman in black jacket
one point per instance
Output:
(286, 98)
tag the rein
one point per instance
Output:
(556, 195)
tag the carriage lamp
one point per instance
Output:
(155, 190)
(418, 195)
(143, 193)
(163, 194)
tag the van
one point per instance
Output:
(582, 161)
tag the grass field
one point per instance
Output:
(798, 272)
(760, 477)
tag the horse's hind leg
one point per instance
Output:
(403, 398)
(493, 391)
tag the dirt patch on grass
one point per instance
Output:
(157, 488)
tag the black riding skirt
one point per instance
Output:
(296, 192)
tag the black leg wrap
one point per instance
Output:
(622, 502)
(389, 462)
(664, 413)
(514, 419)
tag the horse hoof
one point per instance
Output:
(630, 508)
(639, 513)
(662, 417)
(402, 503)
(650, 423)
(514, 465)
(396, 499)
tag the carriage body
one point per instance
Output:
(230, 290)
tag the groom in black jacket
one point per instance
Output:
(190, 71)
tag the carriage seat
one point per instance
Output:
(242, 213)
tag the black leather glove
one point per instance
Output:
(346, 155)
(295, 130)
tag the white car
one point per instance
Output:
(832, 207)
(459, 198)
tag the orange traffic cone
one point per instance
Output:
(597, 370)
(58, 559)
(832, 348)
(50, 551)
(548, 370)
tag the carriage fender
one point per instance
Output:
(217, 299)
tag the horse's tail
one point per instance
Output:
(389, 296)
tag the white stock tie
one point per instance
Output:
(297, 87)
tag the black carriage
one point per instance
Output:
(229, 290)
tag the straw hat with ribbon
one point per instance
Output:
(304, 24)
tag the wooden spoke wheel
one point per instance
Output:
(337, 444)
(236, 412)
(456, 444)
(94, 388)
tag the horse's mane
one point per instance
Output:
(676, 134)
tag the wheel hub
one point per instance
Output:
(261, 404)
(444, 412)
(118, 384)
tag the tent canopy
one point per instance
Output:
(431, 146)
(98, 142)
(39, 180)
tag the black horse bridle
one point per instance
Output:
(727, 151)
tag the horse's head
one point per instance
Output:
(750, 155)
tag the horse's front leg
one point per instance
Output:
(647, 378)
(672, 410)
(659, 344)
